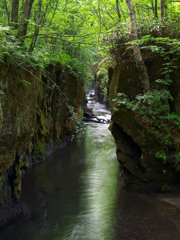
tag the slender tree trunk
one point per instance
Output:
(155, 9)
(162, 8)
(55, 9)
(14, 12)
(152, 5)
(25, 16)
(137, 53)
(22, 6)
(7, 10)
(38, 20)
(45, 13)
(118, 11)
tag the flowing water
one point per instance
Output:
(76, 194)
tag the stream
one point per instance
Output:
(76, 194)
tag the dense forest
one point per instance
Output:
(80, 33)
(85, 34)
(50, 53)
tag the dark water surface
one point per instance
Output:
(75, 195)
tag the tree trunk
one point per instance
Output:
(7, 10)
(38, 20)
(155, 9)
(22, 5)
(118, 11)
(162, 8)
(152, 5)
(137, 53)
(14, 12)
(55, 9)
(25, 16)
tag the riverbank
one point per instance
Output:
(172, 199)
(76, 194)
(37, 109)
(146, 125)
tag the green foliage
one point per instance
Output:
(40, 148)
(78, 33)
(1, 92)
(161, 155)
(63, 37)
(167, 188)
(17, 54)
(70, 32)
(148, 104)
(166, 81)
(151, 107)
(122, 99)
(154, 97)
(102, 74)
(154, 105)
(26, 82)
(175, 119)
(177, 157)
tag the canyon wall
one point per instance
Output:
(38, 111)
(138, 142)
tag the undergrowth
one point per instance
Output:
(14, 53)
(152, 109)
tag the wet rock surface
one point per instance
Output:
(137, 144)
(36, 111)
(171, 199)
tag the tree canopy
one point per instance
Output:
(75, 32)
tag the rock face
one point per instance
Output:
(36, 111)
(137, 144)
(98, 89)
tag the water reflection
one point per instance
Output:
(98, 189)
(99, 179)
(75, 195)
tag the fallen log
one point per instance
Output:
(91, 117)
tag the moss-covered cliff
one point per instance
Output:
(37, 109)
(139, 143)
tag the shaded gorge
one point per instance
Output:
(76, 194)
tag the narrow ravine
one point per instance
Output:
(76, 194)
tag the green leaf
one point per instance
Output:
(1, 92)
(26, 82)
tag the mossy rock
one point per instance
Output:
(33, 118)
(137, 144)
